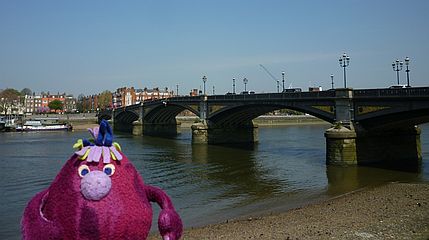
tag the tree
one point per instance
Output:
(26, 91)
(80, 103)
(104, 99)
(9, 98)
(56, 105)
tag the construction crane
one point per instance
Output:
(272, 76)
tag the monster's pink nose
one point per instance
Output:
(95, 185)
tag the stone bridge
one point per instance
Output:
(368, 124)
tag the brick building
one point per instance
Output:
(40, 103)
(128, 96)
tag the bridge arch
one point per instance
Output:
(245, 113)
(166, 113)
(126, 117)
(395, 119)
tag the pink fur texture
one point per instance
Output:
(125, 212)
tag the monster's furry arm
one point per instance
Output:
(34, 225)
(169, 223)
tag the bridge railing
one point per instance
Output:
(392, 92)
(293, 95)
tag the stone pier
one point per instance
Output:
(353, 146)
(203, 133)
(161, 129)
(341, 145)
(396, 146)
(137, 128)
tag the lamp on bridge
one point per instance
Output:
(397, 66)
(204, 81)
(332, 81)
(245, 81)
(344, 62)
(278, 85)
(407, 62)
(283, 81)
(233, 85)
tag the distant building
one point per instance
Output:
(90, 103)
(40, 103)
(70, 104)
(128, 96)
(32, 103)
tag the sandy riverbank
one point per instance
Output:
(392, 211)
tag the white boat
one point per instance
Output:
(43, 125)
(8, 123)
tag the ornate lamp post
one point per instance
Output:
(407, 62)
(177, 89)
(332, 81)
(245, 81)
(213, 90)
(233, 85)
(283, 80)
(397, 66)
(204, 81)
(344, 62)
(278, 85)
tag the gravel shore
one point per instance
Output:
(392, 211)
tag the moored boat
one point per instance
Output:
(43, 125)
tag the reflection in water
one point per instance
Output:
(342, 180)
(207, 183)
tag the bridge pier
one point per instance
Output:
(396, 146)
(204, 133)
(357, 146)
(137, 127)
(341, 145)
(160, 129)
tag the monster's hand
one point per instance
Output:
(169, 223)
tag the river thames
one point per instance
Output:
(207, 183)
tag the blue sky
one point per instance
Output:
(90, 46)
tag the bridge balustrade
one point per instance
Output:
(293, 95)
(392, 92)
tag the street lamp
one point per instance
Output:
(344, 62)
(204, 81)
(283, 81)
(213, 90)
(407, 62)
(397, 66)
(177, 89)
(233, 85)
(278, 85)
(245, 81)
(332, 81)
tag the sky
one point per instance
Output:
(86, 47)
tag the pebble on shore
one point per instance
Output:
(392, 211)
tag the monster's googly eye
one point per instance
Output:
(109, 169)
(83, 170)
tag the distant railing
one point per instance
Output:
(392, 92)
(360, 93)
(272, 96)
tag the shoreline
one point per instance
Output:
(390, 211)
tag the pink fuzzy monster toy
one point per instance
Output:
(95, 198)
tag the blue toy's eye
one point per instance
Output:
(83, 170)
(109, 169)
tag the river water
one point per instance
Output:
(207, 183)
